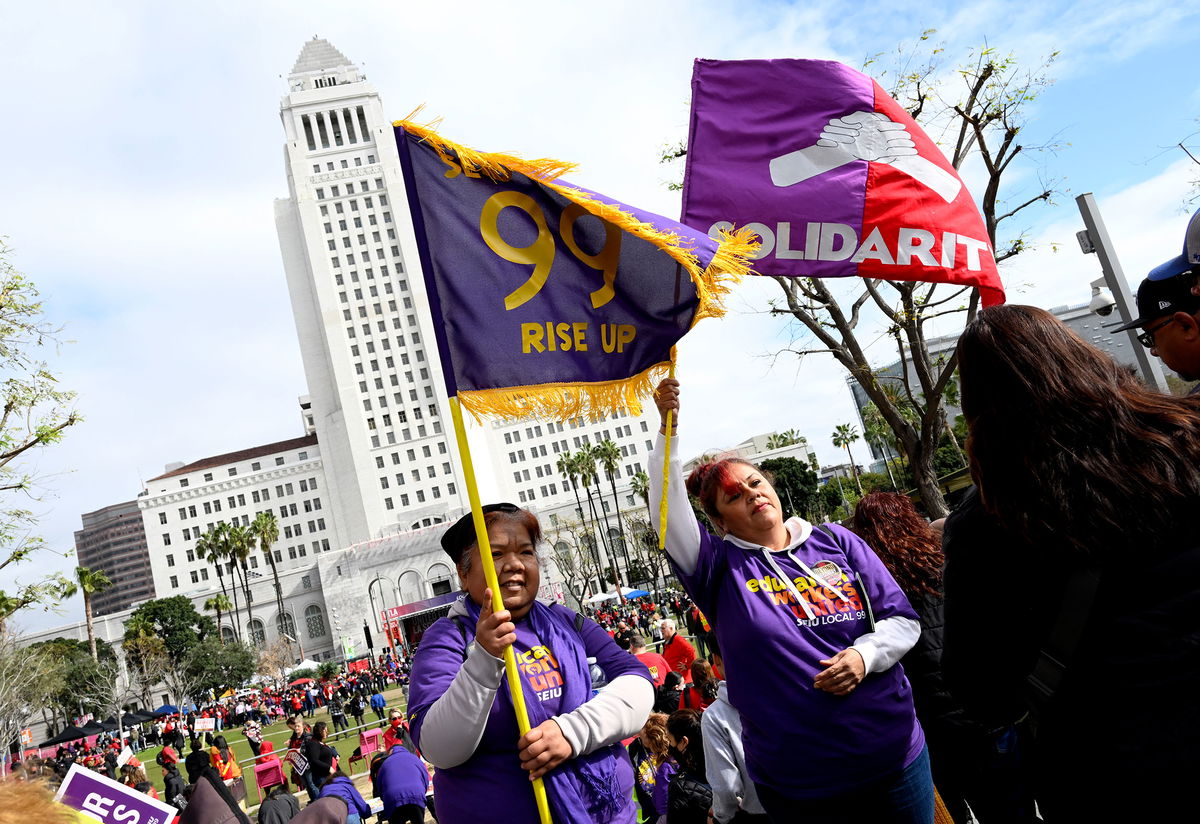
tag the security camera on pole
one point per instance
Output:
(1095, 239)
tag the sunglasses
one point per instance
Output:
(1146, 338)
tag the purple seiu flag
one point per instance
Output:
(548, 298)
(832, 173)
(111, 802)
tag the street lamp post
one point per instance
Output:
(1095, 239)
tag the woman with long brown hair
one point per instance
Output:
(1073, 576)
(912, 551)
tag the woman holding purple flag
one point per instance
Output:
(812, 626)
(461, 709)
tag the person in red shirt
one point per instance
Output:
(654, 662)
(397, 732)
(703, 690)
(677, 650)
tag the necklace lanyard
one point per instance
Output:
(790, 584)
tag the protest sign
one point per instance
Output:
(105, 800)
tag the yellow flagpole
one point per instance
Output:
(489, 573)
(662, 505)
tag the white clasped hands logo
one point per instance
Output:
(869, 136)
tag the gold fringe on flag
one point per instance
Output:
(565, 401)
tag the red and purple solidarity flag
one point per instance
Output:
(833, 174)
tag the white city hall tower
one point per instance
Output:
(377, 396)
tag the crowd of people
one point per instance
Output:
(1034, 656)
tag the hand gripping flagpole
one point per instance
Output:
(662, 504)
(489, 574)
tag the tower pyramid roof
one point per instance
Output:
(317, 55)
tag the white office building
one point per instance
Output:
(285, 478)
(374, 380)
(525, 454)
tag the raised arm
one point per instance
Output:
(683, 530)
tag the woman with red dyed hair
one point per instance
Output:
(812, 627)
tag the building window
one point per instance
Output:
(285, 625)
(183, 482)
(315, 621)
(174, 582)
(170, 560)
(254, 467)
(162, 517)
(166, 539)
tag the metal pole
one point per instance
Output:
(1114, 276)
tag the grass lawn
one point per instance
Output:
(278, 735)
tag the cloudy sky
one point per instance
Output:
(143, 151)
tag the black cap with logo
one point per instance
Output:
(1159, 298)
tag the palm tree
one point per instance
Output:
(639, 485)
(265, 529)
(218, 604)
(567, 466)
(210, 547)
(223, 557)
(844, 435)
(585, 465)
(89, 582)
(788, 438)
(241, 547)
(609, 456)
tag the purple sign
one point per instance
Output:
(106, 800)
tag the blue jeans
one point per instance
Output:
(353, 818)
(903, 798)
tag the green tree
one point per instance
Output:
(844, 435)
(74, 669)
(585, 468)
(217, 667)
(568, 468)
(240, 547)
(145, 652)
(796, 484)
(789, 438)
(218, 604)
(609, 456)
(213, 549)
(36, 412)
(175, 621)
(27, 679)
(89, 582)
(265, 530)
(327, 670)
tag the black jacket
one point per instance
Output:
(195, 763)
(688, 799)
(172, 784)
(279, 808)
(1123, 730)
(320, 759)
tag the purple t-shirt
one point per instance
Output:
(493, 775)
(801, 741)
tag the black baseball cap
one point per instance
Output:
(1168, 287)
(462, 534)
(1165, 291)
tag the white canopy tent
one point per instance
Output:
(307, 663)
(601, 597)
